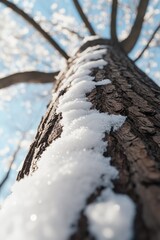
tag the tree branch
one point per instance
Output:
(147, 45)
(84, 17)
(72, 32)
(62, 28)
(28, 77)
(129, 43)
(3, 181)
(34, 24)
(113, 24)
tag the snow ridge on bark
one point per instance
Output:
(47, 205)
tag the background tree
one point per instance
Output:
(133, 94)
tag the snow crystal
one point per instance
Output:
(47, 204)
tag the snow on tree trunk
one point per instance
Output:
(119, 89)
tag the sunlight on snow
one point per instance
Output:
(69, 171)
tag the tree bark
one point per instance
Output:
(134, 148)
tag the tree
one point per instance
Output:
(117, 87)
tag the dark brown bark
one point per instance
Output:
(134, 148)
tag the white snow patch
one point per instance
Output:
(90, 38)
(91, 64)
(103, 82)
(91, 55)
(111, 217)
(47, 204)
(92, 49)
(89, 49)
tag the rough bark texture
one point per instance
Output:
(134, 148)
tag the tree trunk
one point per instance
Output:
(134, 148)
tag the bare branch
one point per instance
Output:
(3, 181)
(84, 17)
(64, 28)
(129, 43)
(72, 32)
(28, 77)
(34, 24)
(148, 43)
(113, 27)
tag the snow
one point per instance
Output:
(90, 38)
(103, 82)
(47, 204)
(89, 65)
(91, 55)
(111, 217)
